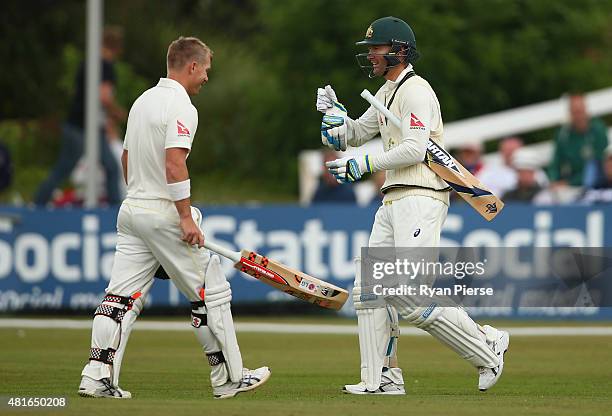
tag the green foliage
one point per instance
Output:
(257, 113)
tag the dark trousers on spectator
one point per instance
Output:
(73, 141)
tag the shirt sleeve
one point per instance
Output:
(363, 129)
(416, 115)
(601, 138)
(555, 163)
(108, 72)
(181, 127)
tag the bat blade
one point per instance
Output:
(290, 281)
(462, 181)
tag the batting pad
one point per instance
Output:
(374, 340)
(454, 328)
(218, 296)
(126, 329)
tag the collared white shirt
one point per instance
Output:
(161, 118)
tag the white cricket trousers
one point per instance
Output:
(149, 234)
(413, 221)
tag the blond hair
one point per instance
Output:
(184, 50)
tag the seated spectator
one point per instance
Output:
(470, 156)
(579, 148)
(329, 190)
(602, 190)
(6, 168)
(501, 177)
(527, 187)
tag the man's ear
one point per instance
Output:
(192, 67)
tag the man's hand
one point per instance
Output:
(191, 232)
(349, 169)
(326, 98)
(333, 131)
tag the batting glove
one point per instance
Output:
(326, 97)
(348, 169)
(333, 131)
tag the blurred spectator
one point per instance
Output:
(6, 168)
(579, 148)
(329, 190)
(602, 191)
(73, 130)
(501, 177)
(526, 165)
(470, 156)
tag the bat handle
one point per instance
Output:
(365, 94)
(232, 255)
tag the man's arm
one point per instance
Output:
(554, 166)
(124, 161)
(176, 172)
(107, 97)
(413, 146)
(363, 129)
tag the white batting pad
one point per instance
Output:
(218, 296)
(126, 329)
(453, 327)
(374, 337)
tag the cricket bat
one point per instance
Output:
(281, 277)
(445, 166)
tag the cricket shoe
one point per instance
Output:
(251, 379)
(391, 384)
(101, 388)
(489, 376)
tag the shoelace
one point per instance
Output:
(109, 388)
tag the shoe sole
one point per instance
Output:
(501, 366)
(89, 395)
(243, 389)
(384, 393)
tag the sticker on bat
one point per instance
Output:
(308, 286)
(441, 157)
(329, 292)
(257, 271)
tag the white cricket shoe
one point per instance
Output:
(489, 376)
(251, 379)
(90, 387)
(391, 384)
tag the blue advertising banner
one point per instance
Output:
(63, 258)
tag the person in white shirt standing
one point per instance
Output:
(415, 205)
(157, 226)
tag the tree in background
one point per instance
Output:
(271, 56)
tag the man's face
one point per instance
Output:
(507, 149)
(578, 113)
(198, 75)
(526, 178)
(376, 57)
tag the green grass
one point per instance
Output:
(167, 375)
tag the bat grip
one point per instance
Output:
(365, 94)
(232, 255)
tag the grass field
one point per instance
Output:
(167, 374)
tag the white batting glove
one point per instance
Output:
(348, 169)
(326, 97)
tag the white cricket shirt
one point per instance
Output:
(162, 117)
